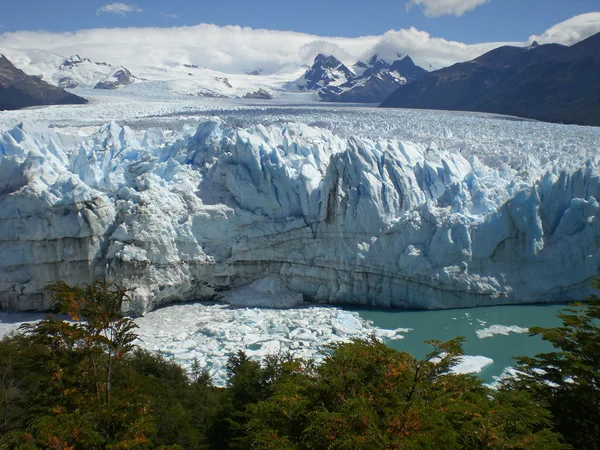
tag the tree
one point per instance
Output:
(10, 394)
(68, 368)
(568, 379)
(366, 395)
(107, 335)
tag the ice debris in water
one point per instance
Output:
(472, 364)
(213, 332)
(499, 329)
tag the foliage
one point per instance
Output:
(83, 384)
(568, 379)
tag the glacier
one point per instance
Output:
(365, 207)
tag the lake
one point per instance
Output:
(446, 324)
(211, 332)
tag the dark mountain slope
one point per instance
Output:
(378, 80)
(547, 82)
(19, 90)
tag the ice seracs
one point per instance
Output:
(352, 220)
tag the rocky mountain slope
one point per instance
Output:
(119, 78)
(369, 82)
(375, 82)
(19, 90)
(546, 82)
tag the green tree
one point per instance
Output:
(366, 395)
(107, 335)
(568, 379)
(67, 371)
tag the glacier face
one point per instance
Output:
(413, 209)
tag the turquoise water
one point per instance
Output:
(447, 324)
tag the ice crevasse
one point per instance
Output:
(195, 214)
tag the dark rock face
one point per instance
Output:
(548, 82)
(19, 90)
(259, 94)
(74, 61)
(377, 80)
(224, 80)
(369, 82)
(122, 77)
(67, 83)
(324, 71)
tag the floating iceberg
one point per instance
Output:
(500, 329)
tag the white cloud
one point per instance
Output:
(429, 52)
(118, 9)
(571, 31)
(168, 15)
(437, 8)
(236, 49)
(308, 51)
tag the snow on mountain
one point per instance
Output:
(407, 209)
(69, 73)
(184, 79)
(374, 81)
(370, 82)
(325, 71)
(118, 79)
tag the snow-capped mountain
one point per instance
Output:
(119, 78)
(77, 72)
(328, 77)
(325, 71)
(369, 82)
(374, 81)
(19, 90)
(185, 79)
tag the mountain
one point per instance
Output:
(77, 71)
(19, 90)
(119, 78)
(325, 71)
(259, 94)
(369, 82)
(374, 81)
(548, 82)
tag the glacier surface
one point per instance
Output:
(410, 209)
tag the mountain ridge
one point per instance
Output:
(19, 90)
(549, 82)
(369, 82)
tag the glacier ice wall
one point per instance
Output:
(187, 215)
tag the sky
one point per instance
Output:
(233, 36)
(468, 21)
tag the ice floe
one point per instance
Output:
(499, 329)
(472, 364)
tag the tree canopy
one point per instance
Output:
(84, 384)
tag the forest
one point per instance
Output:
(84, 384)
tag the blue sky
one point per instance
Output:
(494, 20)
